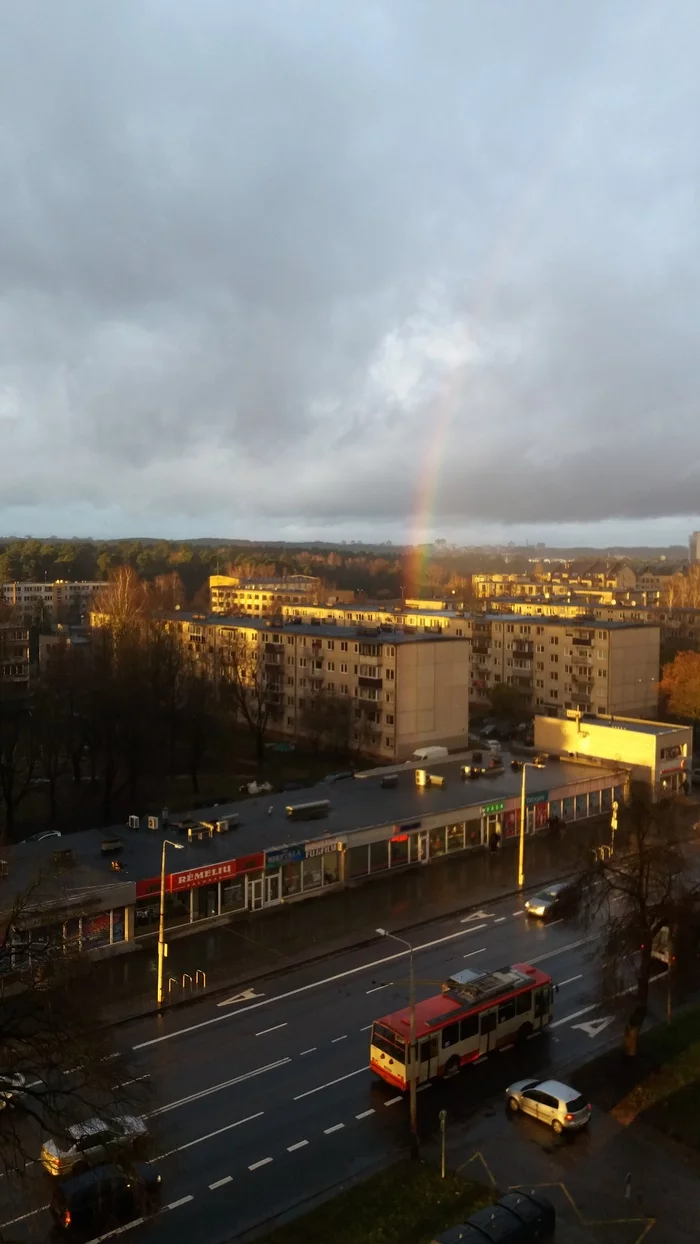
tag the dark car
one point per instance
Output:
(554, 902)
(518, 1218)
(104, 1198)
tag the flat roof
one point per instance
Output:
(332, 630)
(357, 804)
(636, 726)
(582, 622)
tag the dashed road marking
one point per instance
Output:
(227, 1179)
(365, 1114)
(570, 980)
(263, 1162)
(393, 1100)
(311, 1051)
(376, 988)
(366, 1028)
(475, 952)
(335, 1128)
(263, 1031)
(500, 920)
(337, 1039)
(183, 1201)
(423, 1087)
(299, 1145)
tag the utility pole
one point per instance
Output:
(528, 764)
(162, 948)
(412, 1066)
(613, 826)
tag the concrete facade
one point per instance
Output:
(656, 753)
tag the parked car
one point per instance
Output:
(93, 1142)
(103, 1198)
(11, 1088)
(517, 1218)
(560, 1107)
(556, 901)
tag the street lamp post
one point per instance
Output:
(413, 1063)
(528, 764)
(179, 846)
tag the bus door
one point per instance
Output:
(488, 1022)
(427, 1058)
(541, 1006)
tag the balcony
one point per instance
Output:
(368, 693)
(481, 648)
(366, 680)
(523, 647)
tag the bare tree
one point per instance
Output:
(634, 893)
(124, 601)
(252, 677)
(327, 720)
(18, 754)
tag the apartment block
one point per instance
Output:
(15, 657)
(261, 597)
(557, 663)
(678, 626)
(60, 600)
(404, 689)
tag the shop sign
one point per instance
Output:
(320, 848)
(537, 796)
(285, 855)
(487, 809)
(202, 876)
(149, 887)
(249, 863)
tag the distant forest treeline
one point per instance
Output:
(378, 573)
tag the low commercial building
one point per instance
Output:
(101, 889)
(404, 689)
(654, 752)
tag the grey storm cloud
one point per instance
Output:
(307, 262)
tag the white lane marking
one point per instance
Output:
(500, 920)
(566, 1019)
(552, 923)
(531, 1035)
(392, 1101)
(311, 1051)
(592, 1027)
(183, 1201)
(337, 1039)
(135, 1080)
(582, 941)
(135, 1222)
(365, 1114)
(219, 1183)
(274, 1029)
(477, 915)
(263, 1162)
(299, 1145)
(378, 987)
(423, 1087)
(632, 988)
(335, 1128)
(209, 1136)
(366, 1028)
(570, 980)
(292, 993)
(520, 912)
(473, 928)
(475, 952)
(217, 1088)
(330, 1083)
(22, 1217)
(246, 995)
(482, 1059)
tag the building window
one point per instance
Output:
(290, 721)
(302, 662)
(389, 719)
(343, 668)
(553, 657)
(343, 645)
(554, 639)
(331, 666)
(539, 683)
(602, 673)
(331, 645)
(302, 682)
(389, 674)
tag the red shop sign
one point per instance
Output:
(149, 888)
(207, 875)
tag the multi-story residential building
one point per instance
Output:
(406, 689)
(60, 601)
(694, 546)
(678, 626)
(261, 597)
(15, 657)
(557, 663)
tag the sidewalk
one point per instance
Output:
(303, 931)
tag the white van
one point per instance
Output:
(423, 754)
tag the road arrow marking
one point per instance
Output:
(477, 915)
(246, 995)
(594, 1026)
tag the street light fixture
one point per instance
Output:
(528, 764)
(413, 1063)
(179, 846)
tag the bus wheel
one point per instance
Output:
(524, 1031)
(452, 1066)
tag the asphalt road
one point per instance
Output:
(262, 1101)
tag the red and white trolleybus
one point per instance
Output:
(476, 1012)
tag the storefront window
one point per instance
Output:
(473, 833)
(455, 837)
(233, 894)
(206, 902)
(96, 931)
(593, 802)
(568, 808)
(437, 842)
(177, 908)
(331, 868)
(581, 806)
(118, 920)
(606, 799)
(555, 807)
(312, 873)
(145, 916)
(399, 851)
(71, 933)
(378, 856)
(291, 879)
(357, 862)
(619, 795)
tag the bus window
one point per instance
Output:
(387, 1041)
(450, 1036)
(469, 1027)
(488, 1021)
(428, 1049)
(523, 1002)
(542, 1001)
(506, 1011)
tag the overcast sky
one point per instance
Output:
(306, 268)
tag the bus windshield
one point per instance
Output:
(388, 1042)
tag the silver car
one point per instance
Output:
(550, 1101)
(93, 1142)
